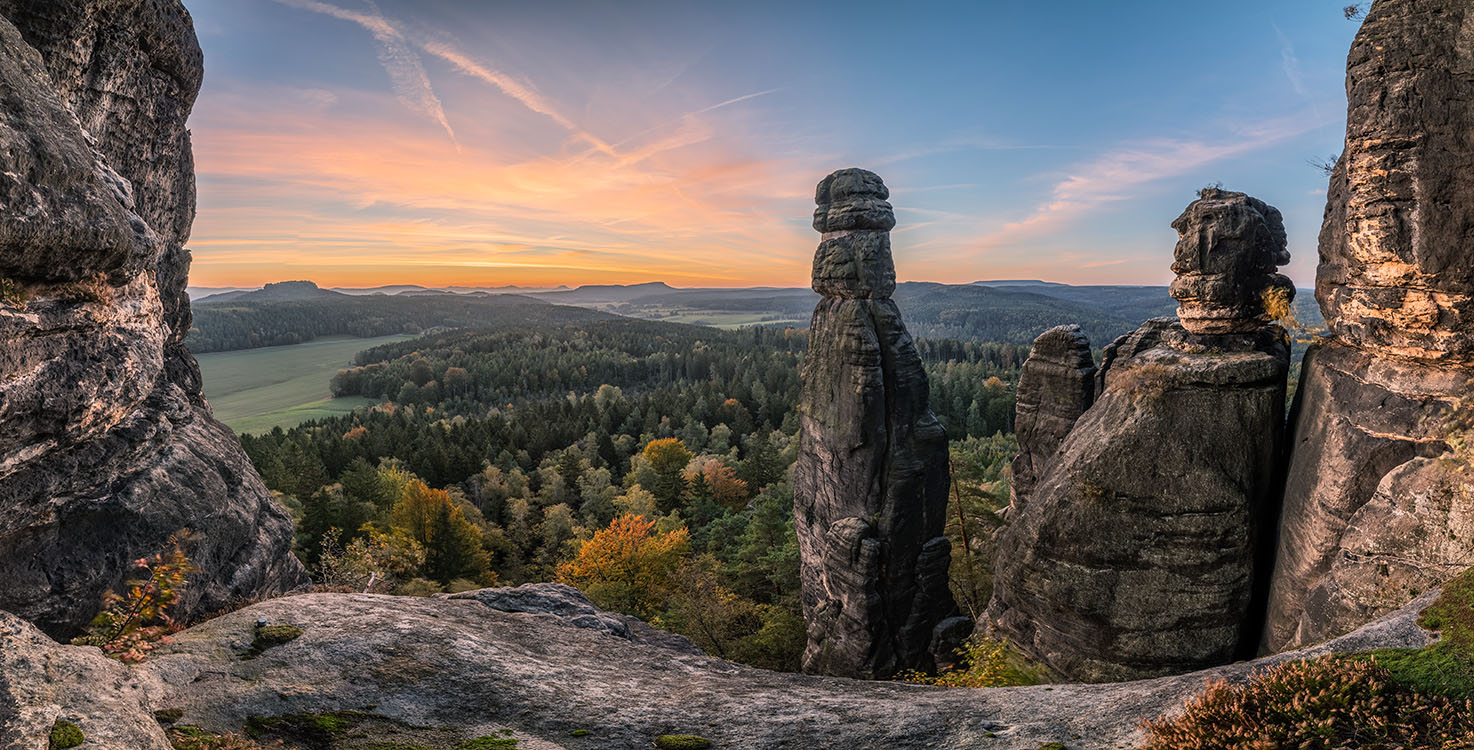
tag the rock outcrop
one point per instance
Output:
(1056, 386)
(870, 483)
(1134, 554)
(1380, 489)
(435, 672)
(107, 447)
(1228, 249)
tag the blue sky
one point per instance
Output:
(486, 143)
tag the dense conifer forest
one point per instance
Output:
(645, 462)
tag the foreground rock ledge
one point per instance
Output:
(563, 666)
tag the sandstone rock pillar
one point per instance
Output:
(106, 444)
(871, 480)
(1379, 505)
(1134, 553)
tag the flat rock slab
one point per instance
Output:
(458, 663)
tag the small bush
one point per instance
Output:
(65, 734)
(681, 742)
(986, 663)
(418, 587)
(1333, 702)
(13, 293)
(135, 622)
(458, 585)
(167, 716)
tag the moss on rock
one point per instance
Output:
(682, 742)
(271, 636)
(65, 734)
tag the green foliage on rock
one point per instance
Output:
(488, 742)
(272, 636)
(681, 742)
(65, 734)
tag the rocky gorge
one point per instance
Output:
(1169, 520)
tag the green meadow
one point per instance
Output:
(254, 390)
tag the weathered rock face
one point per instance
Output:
(1133, 555)
(1230, 245)
(1395, 273)
(1056, 386)
(434, 672)
(106, 445)
(871, 479)
(1380, 487)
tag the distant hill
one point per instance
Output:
(1008, 311)
(247, 322)
(417, 289)
(605, 293)
(281, 291)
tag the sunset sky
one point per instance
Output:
(482, 143)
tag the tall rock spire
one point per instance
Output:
(1130, 548)
(870, 484)
(1379, 503)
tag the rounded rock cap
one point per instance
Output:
(853, 199)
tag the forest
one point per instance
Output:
(644, 462)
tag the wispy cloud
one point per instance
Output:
(1290, 62)
(1117, 175)
(406, 73)
(521, 91)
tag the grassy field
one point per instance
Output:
(257, 389)
(716, 318)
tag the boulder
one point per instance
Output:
(871, 478)
(107, 447)
(1381, 474)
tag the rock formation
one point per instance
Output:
(870, 483)
(106, 445)
(1133, 555)
(1228, 249)
(1379, 502)
(1056, 386)
(434, 672)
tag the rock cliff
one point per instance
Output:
(536, 663)
(1380, 492)
(107, 447)
(1134, 554)
(871, 479)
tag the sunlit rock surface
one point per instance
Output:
(1380, 488)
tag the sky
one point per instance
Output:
(489, 143)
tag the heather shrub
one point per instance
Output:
(1332, 702)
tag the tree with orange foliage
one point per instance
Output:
(453, 544)
(720, 480)
(628, 566)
